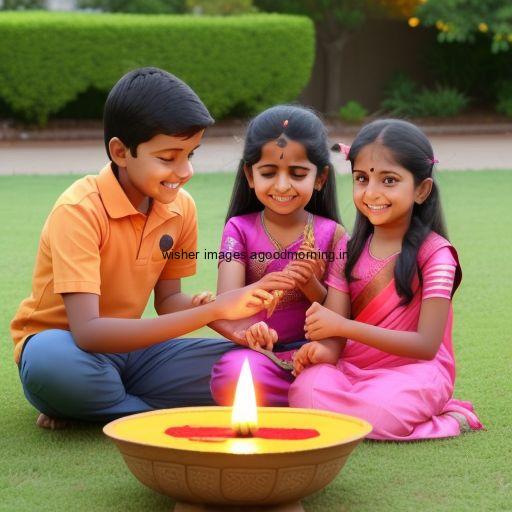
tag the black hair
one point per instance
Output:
(302, 126)
(411, 150)
(150, 101)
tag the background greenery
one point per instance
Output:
(81, 470)
(238, 64)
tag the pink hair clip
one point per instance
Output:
(434, 161)
(285, 123)
(341, 148)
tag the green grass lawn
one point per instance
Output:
(81, 470)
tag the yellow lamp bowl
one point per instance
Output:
(236, 471)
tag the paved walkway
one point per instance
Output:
(455, 152)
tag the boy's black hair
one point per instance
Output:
(150, 101)
(302, 126)
(411, 150)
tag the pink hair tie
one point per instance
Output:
(339, 147)
(434, 161)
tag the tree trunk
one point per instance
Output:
(331, 40)
(333, 53)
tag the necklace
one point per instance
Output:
(309, 222)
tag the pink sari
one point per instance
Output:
(404, 399)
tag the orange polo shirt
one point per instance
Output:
(95, 241)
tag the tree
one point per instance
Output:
(21, 5)
(136, 6)
(336, 21)
(462, 20)
(220, 7)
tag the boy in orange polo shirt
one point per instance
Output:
(81, 346)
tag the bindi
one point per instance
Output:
(371, 169)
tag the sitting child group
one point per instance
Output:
(366, 333)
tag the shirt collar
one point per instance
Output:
(118, 205)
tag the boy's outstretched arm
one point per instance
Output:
(98, 334)
(169, 298)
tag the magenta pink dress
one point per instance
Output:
(404, 399)
(245, 240)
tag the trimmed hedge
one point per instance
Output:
(238, 63)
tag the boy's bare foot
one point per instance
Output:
(44, 421)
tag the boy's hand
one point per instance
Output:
(241, 303)
(275, 281)
(199, 299)
(259, 334)
(316, 352)
(323, 323)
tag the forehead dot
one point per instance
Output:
(281, 142)
(371, 169)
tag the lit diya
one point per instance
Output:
(242, 455)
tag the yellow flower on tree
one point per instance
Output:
(483, 27)
(413, 22)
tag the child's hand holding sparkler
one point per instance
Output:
(304, 269)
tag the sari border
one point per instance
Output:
(379, 282)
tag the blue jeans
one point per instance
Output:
(64, 381)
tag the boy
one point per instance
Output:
(81, 346)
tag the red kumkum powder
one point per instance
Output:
(287, 434)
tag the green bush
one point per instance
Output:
(399, 96)
(440, 102)
(403, 99)
(353, 112)
(504, 104)
(470, 68)
(235, 63)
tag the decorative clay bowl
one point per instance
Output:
(236, 471)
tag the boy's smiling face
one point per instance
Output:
(162, 166)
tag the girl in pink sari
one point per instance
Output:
(390, 358)
(285, 183)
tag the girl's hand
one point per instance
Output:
(316, 352)
(199, 299)
(315, 260)
(323, 323)
(276, 281)
(303, 271)
(259, 334)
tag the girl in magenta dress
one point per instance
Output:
(284, 183)
(390, 361)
